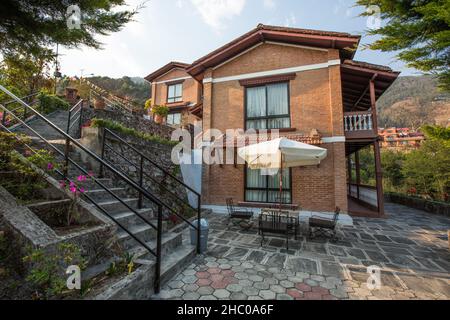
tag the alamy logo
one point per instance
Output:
(374, 280)
(73, 17)
(74, 280)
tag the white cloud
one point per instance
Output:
(214, 12)
(290, 21)
(269, 4)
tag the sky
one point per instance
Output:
(185, 30)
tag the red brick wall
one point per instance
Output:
(316, 103)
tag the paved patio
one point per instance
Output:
(410, 248)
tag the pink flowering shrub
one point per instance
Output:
(76, 189)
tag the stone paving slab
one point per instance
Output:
(410, 248)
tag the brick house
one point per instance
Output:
(400, 139)
(304, 83)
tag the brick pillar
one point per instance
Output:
(337, 130)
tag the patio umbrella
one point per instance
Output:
(281, 153)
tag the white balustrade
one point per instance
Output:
(358, 121)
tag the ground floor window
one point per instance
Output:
(174, 118)
(260, 187)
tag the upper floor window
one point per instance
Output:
(267, 107)
(174, 118)
(175, 93)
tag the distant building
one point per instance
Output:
(400, 138)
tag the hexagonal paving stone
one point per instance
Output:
(255, 298)
(203, 282)
(250, 291)
(221, 284)
(247, 265)
(294, 293)
(283, 296)
(280, 276)
(176, 284)
(320, 290)
(267, 294)
(202, 275)
(191, 296)
(190, 287)
(225, 266)
(303, 287)
(271, 281)
(176, 293)
(212, 264)
(241, 275)
(277, 288)
(234, 288)
(189, 279)
(231, 280)
(255, 278)
(286, 284)
(311, 282)
(313, 296)
(189, 272)
(228, 273)
(221, 293)
(216, 277)
(261, 285)
(238, 296)
(214, 270)
(208, 298)
(245, 283)
(205, 291)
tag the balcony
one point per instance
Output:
(359, 125)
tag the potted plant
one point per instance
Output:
(160, 112)
(99, 103)
(148, 105)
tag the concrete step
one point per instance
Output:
(142, 231)
(129, 218)
(170, 241)
(113, 206)
(103, 195)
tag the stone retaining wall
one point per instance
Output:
(131, 121)
(434, 207)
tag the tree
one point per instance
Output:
(33, 25)
(427, 169)
(392, 162)
(24, 72)
(419, 29)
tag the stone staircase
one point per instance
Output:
(176, 250)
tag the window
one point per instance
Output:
(175, 93)
(267, 107)
(174, 118)
(266, 188)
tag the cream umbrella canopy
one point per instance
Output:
(281, 153)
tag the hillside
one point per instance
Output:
(412, 102)
(134, 88)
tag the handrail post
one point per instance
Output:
(141, 180)
(101, 173)
(199, 229)
(158, 252)
(67, 147)
(81, 117)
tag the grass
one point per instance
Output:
(115, 126)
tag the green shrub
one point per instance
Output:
(47, 273)
(50, 103)
(117, 127)
(162, 111)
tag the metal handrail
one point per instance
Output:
(150, 177)
(151, 161)
(198, 209)
(25, 97)
(111, 168)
